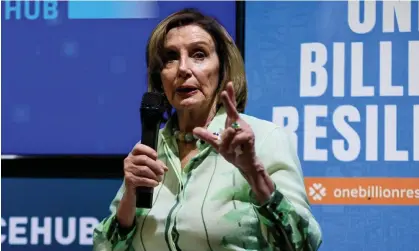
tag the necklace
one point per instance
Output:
(184, 136)
(187, 137)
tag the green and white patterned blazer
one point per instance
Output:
(208, 206)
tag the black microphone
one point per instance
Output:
(151, 112)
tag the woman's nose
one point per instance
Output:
(184, 68)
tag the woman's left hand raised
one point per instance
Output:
(237, 142)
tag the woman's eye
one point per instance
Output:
(199, 55)
(171, 56)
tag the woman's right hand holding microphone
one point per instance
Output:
(141, 169)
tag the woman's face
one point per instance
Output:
(191, 72)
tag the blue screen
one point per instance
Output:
(74, 72)
(53, 214)
(342, 78)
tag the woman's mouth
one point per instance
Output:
(186, 91)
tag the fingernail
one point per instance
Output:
(216, 136)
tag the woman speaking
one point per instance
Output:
(222, 180)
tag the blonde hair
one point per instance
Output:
(231, 61)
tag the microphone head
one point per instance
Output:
(153, 100)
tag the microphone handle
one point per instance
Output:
(149, 137)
